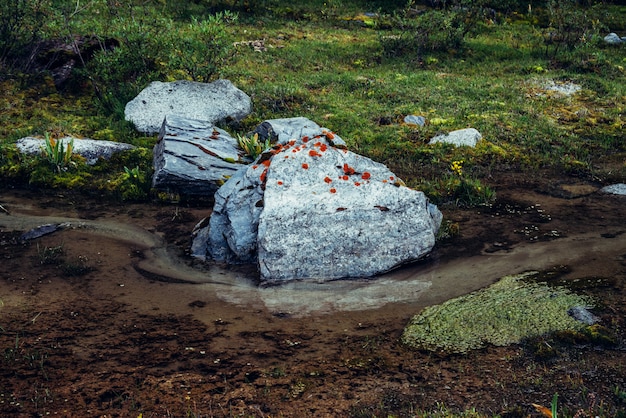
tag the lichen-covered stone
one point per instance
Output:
(310, 209)
(343, 216)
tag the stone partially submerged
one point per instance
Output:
(215, 102)
(617, 189)
(310, 209)
(194, 157)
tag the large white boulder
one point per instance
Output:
(310, 209)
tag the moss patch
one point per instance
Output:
(505, 313)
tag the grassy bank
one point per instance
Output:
(329, 63)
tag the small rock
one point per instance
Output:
(613, 39)
(283, 130)
(415, 120)
(581, 314)
(566, 88)
(618, 189)
(40, 231)
(462, 137)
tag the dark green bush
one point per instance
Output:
(22, 26)
(431, 30)
(572, 26)
(151, 47)
(201, 48)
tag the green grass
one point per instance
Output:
(334, 71)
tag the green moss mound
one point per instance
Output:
(505, 313)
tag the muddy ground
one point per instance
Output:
(87, 332)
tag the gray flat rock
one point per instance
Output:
(90, 149)
(193, 157)
(212, 102)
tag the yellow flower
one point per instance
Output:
(457, 167)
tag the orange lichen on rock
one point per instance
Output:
(328, 179)
(333, 190)
(305, 166)
(347, 169)
(314, 153)
(366, 176)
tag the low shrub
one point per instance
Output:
(22, 24)
(572, 27)
(431, 30)
(153, 47)
(201, 48)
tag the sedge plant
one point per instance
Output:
(252, 146)
(57, 152)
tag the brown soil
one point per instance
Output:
(85, 333)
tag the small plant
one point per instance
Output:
(253, 147)
(133, 184)
(467, 191)
(57, 152)
(132, 173)
(50, 255)
(78, 268)
(448, 229)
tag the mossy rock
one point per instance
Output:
(505, 313)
